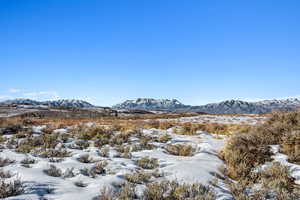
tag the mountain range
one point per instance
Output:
(228, 106)
(56, 103)
(149, 104)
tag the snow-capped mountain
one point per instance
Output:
(228, 106)
(232, 106)
(55, 103)
(150, 104)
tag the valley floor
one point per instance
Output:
(76, 183)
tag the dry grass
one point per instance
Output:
(53, 171)
(139, 177)
(9, 189)
(180, 150)
(275, 182)
(244, 152)
(148, 163)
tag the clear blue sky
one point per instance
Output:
(197, 51)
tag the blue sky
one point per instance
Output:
(109, 51)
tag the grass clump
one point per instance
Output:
(53, 171)
(9, 189)
(148, 163)
(180, 150)
(274, 182)
(244, 152)
(5, 162)
(5, 174)
(50, 153)
(139, 177)
(164, 138)
(166, 190)
(86, 158)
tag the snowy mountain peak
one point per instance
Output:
(150, 104)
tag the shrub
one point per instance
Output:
(95, 133)
(80, 184)
(138, 177)
(99, 167)
(85, 159)
(82, 144)
(164, 138)
(148, 163)
(277, 177)
(13, 188)
(106, 194)
(5, 174)
(26, 162)
(145, 143)
(291, 146)
(120, 138)
(48, 153)
(242, 153)
(180, 150)
(187, 129)
(5, 162)
(173, 190)
(275, 183)
(127, 192)
(53, 171)
(104, 152)
(69, 173)
(24, 148)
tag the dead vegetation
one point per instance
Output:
(245, 152)
(148, 163)
(164, 190)
(180, 150)
(11, 188)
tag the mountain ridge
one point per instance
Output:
(173, 105)
(227, 106)
(69, 103)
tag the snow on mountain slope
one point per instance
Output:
(228, 106)
(55, 103)
(150, 104)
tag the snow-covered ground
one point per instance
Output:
(199, 168)
(282, 158)
(223, 119)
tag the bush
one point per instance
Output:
(180, 150)
(53, 171)
(148, 163)
(5, 162)
(5, 174)
(166, 190)
(291, 146)
(85, 159)
(187, 129)
(80, 184)
(82, 144)
(99, 167)
(13, 188)
(274, 183)
(138, 177)
(49, 153)
(104, 152)
(164, 138)
(26, 162)
(242, 153)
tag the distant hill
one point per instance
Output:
(56, 103)
(228, 106)
(149, 104)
